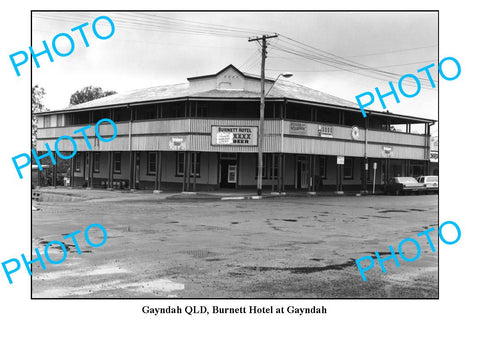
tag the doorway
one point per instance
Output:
(302, 172)
(228, 171)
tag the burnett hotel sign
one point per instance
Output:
(234, 135)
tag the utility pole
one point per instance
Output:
(263, 38)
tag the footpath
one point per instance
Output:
(61, 194)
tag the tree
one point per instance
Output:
(89, 93)
(38, 93)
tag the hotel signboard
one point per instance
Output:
(234, 135)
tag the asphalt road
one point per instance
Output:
(292, 247)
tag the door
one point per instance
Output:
(137, 170)
(302, 173)
(228, 173)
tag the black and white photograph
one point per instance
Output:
(238, 170)
(237, 155)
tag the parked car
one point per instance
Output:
(430, 183)
(402, 185)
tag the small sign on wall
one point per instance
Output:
(387, 151)
(177, 143)
(340, 160)
(325, 131)
(232, 173)
(298, 128)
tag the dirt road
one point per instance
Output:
(271, 248)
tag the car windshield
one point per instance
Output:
(406, 180)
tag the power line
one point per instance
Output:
(392, 51)
(160, 24)
(312, 53)
(346, 62)
(332, 70)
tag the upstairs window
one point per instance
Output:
(46, 121)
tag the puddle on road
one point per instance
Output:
(305, 270)
(214, 260)
(399, 210)
(200, 253)
(383, 253)
(55, 248)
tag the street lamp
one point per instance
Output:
(262, 119)
(284, 75)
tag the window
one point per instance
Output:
(46, 121)
(77, 163)
(229, 109)
(81, 118)
(202, 110)
(174, 110)
(121, 114)
(100, 114)
(348, 168)
(273, 167)
(181, 165)
(146, 112)
(117, 162)
(152, 163)
(68, 119)
(96, 162)
(270, 166)
(322, 167)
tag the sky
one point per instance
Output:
(160, 48)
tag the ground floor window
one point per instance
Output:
(348, 168)
(152, 163)
(117, 162)
(270, 166)
(77, 162)
(322, 167)
(180, 168)
(417, 168)
(96, 162)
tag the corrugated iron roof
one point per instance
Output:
(282, 89)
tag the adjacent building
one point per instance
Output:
(203, 135)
